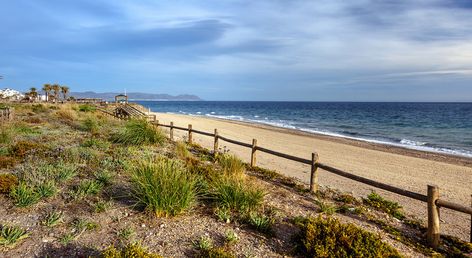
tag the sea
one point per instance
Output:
(435, 127)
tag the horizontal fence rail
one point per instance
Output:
(432, 198)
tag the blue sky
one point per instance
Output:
(356, 50)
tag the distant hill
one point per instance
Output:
(134, 96)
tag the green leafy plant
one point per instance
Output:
(102, 206)
(47, 189)
(261, 222)
(164, 187)
(137, 132)
(223, 214)
(53, 218)
(126, 233)
(65, 171)
(325, 207)
(96, 143)
(389, 207)
(24, 195)
(129, 251)
(10, 235)
(231, 237)
(87, 187)
(103, 177)
(327, 237)
(203, 243)
(66, 238)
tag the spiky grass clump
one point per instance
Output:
(90, 124)
(5, 135)
(85, 188)
(7, 182)
(327, 237)
(137, 132)
(261, 222)
(87, 108)
(232, 166)
(24, 195)
(131, 250)
(10, 235)
(235, 194)
(164, 187)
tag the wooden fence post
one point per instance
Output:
(154, 118)
(314, 173)
(190, 134)
(215, 142)
(171, 131)
(433, 216)
(157, 123)
(253, 152)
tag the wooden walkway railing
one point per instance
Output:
(432, 199)
(5, 114)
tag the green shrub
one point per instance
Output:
(134, 250)
(389, 207)
(24, 195)
(236, 194)
(327, 237)
(10, 235)
(7, 182)
(164, 187)
(126, 233)
(87, 108)
(232, 166)
(231, 237)
(137, 132)
(23, 128)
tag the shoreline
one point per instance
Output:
(384, 147)
(404, 168)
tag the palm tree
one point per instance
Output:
(64, 90)
(33, 93)
(47, 88)
(56, 88)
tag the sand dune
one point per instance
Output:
(407, 169)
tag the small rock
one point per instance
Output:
(143, 225)
(162, 225)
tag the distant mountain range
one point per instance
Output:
(134, 96)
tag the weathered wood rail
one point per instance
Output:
(432, 198)
(5, 114)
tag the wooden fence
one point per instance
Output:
(434, 203)
(5, 114)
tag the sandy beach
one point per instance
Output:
(409, 169)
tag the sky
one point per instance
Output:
(298, 50)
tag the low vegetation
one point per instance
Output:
(164, 187)
(80, 181)
(327, 237)
(136, 132)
